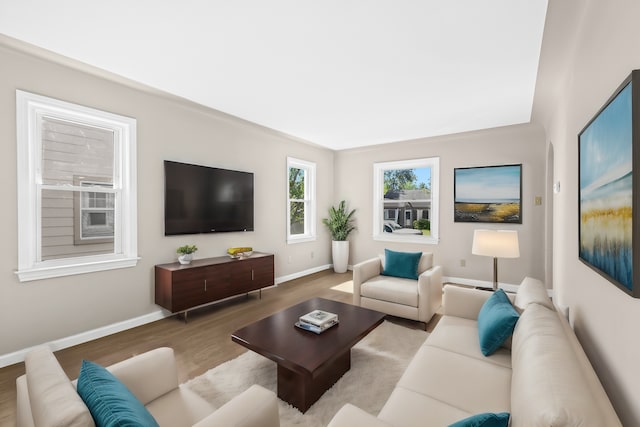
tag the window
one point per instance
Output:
(94, 218)
(76, 189)
(405, 201)
(301, 200)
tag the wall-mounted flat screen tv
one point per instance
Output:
(202, 199)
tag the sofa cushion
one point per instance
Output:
(548, 386)
(181, 407)
(110, 402)
(486, 419)
(471, 385)
(408, 408)
(350, 415)
(460, 335)
(157, 367)
(401, 264)
(426, 262)
(391, 289)
(532, 291)
(54, 401)
(496, 321)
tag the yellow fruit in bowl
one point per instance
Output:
(240, 251)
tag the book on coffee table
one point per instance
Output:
(319, 318)
(313, 328)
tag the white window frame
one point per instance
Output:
(378, 200)
(309, 201)
(30, 110)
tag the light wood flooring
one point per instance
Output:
(199, 344)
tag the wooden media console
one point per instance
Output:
(180, 288)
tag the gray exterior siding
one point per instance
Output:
(71, 152)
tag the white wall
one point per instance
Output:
(603, 48)
(508, 145)
(168, 128)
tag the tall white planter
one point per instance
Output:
(340, 255)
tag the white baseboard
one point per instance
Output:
(83, 337)
(479, 283)
(508, 287)
(303, 273)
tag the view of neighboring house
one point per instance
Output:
(405, 206)
(77, 222)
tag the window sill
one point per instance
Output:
(294, 240)
(390, 237)
(48, 271)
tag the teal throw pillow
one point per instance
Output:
(487, 419)
(496, 321)
(401, 264)
(110, 402)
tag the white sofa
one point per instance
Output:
(542, 377)
(46, 396)
(411, 299)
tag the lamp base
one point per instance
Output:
(495, 273)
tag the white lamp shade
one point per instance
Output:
(496, 243)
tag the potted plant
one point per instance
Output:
(186, 253)
(340, 225)
(424, 225)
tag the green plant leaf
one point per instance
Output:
(187, 249)
(340, 222)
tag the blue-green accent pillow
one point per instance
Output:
(401, 264)
(487, 419)
(110, 402)
(496, 321)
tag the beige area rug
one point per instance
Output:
(377, 362)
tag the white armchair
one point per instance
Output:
(411, 299)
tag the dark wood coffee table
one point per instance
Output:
(308, 364)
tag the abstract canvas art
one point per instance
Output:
(607, 221)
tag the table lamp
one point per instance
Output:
(498, 244)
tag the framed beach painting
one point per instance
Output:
(488, 194)
(608, 221)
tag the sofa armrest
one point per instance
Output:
(362, 272)
(24, 418)
(464, 302)
(254, 407)
(429, 293)
(352, 416)
(148, 375)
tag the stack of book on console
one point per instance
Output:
(317, 321)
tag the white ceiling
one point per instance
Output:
(339, 73)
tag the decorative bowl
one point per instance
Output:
(241, 254)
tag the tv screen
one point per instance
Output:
(201, 199)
